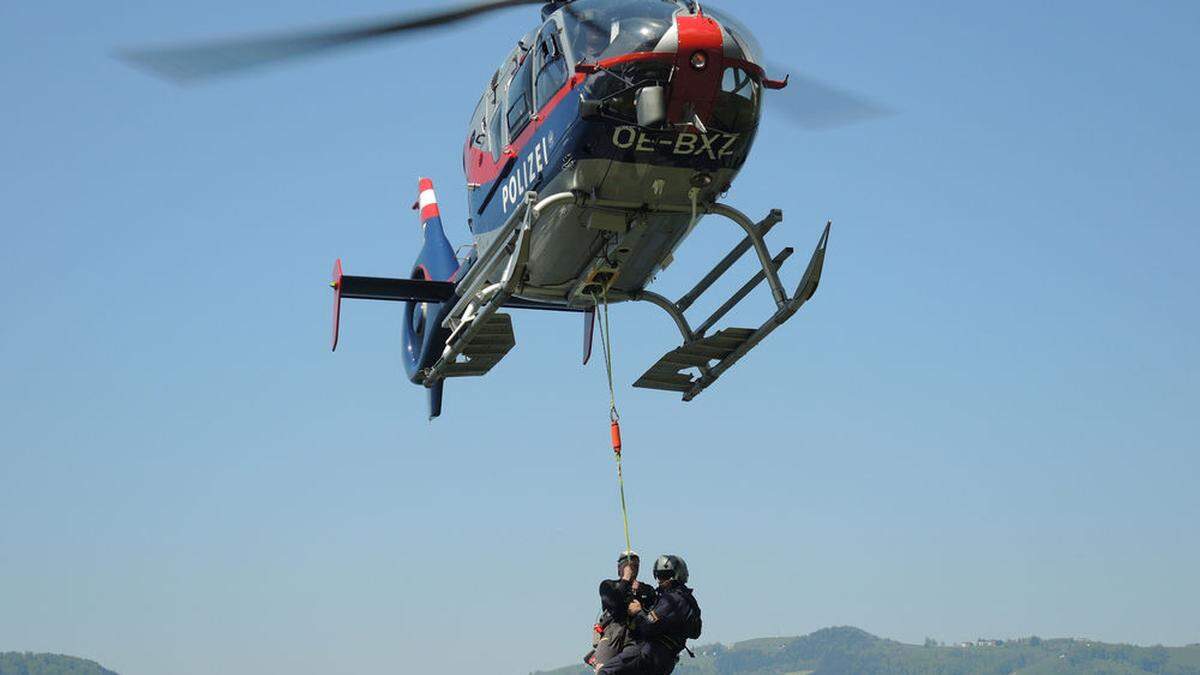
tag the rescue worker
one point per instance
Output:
(609, 637)
(661, 632)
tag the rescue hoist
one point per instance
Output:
(614, 417)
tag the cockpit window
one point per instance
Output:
(552, 65)
(736, 110)
(495, 130)
(479, 136)
(598, 29)
(520, 107)
(738, 81)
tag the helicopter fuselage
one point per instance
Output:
(563, 116)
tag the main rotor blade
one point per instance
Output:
(193, 62)
(815, 105)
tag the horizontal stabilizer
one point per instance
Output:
(397, 290)
(411, 290)
(378, 288)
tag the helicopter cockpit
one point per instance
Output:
(627, 36)
(635, 41)
(598, 29)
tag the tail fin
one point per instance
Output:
(436, 262)
(437, 259)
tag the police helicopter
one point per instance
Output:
(602, 139)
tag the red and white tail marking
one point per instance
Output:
(427, 202)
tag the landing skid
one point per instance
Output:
(712, 355)
(480, 336)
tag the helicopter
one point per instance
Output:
(602, 139)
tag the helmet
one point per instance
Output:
(628, 559)
(671, 567)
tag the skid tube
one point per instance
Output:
(730, 345)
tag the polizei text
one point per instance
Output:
(526, 172)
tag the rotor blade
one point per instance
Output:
(193, 62)
(816, 105)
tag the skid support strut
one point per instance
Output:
(712, 355)
(477, 331)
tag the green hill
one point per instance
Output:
(850, 651)
(26, 663)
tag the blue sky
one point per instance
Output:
(984, 424)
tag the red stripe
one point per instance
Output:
(423, 185)
(699, 88)
(749, 66)
(754, 69)
(430, 211)
(636, 56)
(567, 88)
(481, 169)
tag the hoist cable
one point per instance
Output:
(613, 416)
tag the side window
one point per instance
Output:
(520, 107)
(552, 73)
(495, 126)
(479, 136)
(551, 80)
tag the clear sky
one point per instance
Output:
(985, 424)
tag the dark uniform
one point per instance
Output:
(615, 596)
(658, 634)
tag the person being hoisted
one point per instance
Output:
(615, 595)
(659, 633)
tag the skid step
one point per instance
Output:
(491, 343)
(668, 374)
(712, 356)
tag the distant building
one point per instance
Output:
(984, 642)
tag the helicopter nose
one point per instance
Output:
(699, 67)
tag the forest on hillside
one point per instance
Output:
(850, 651)
(26, 663)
